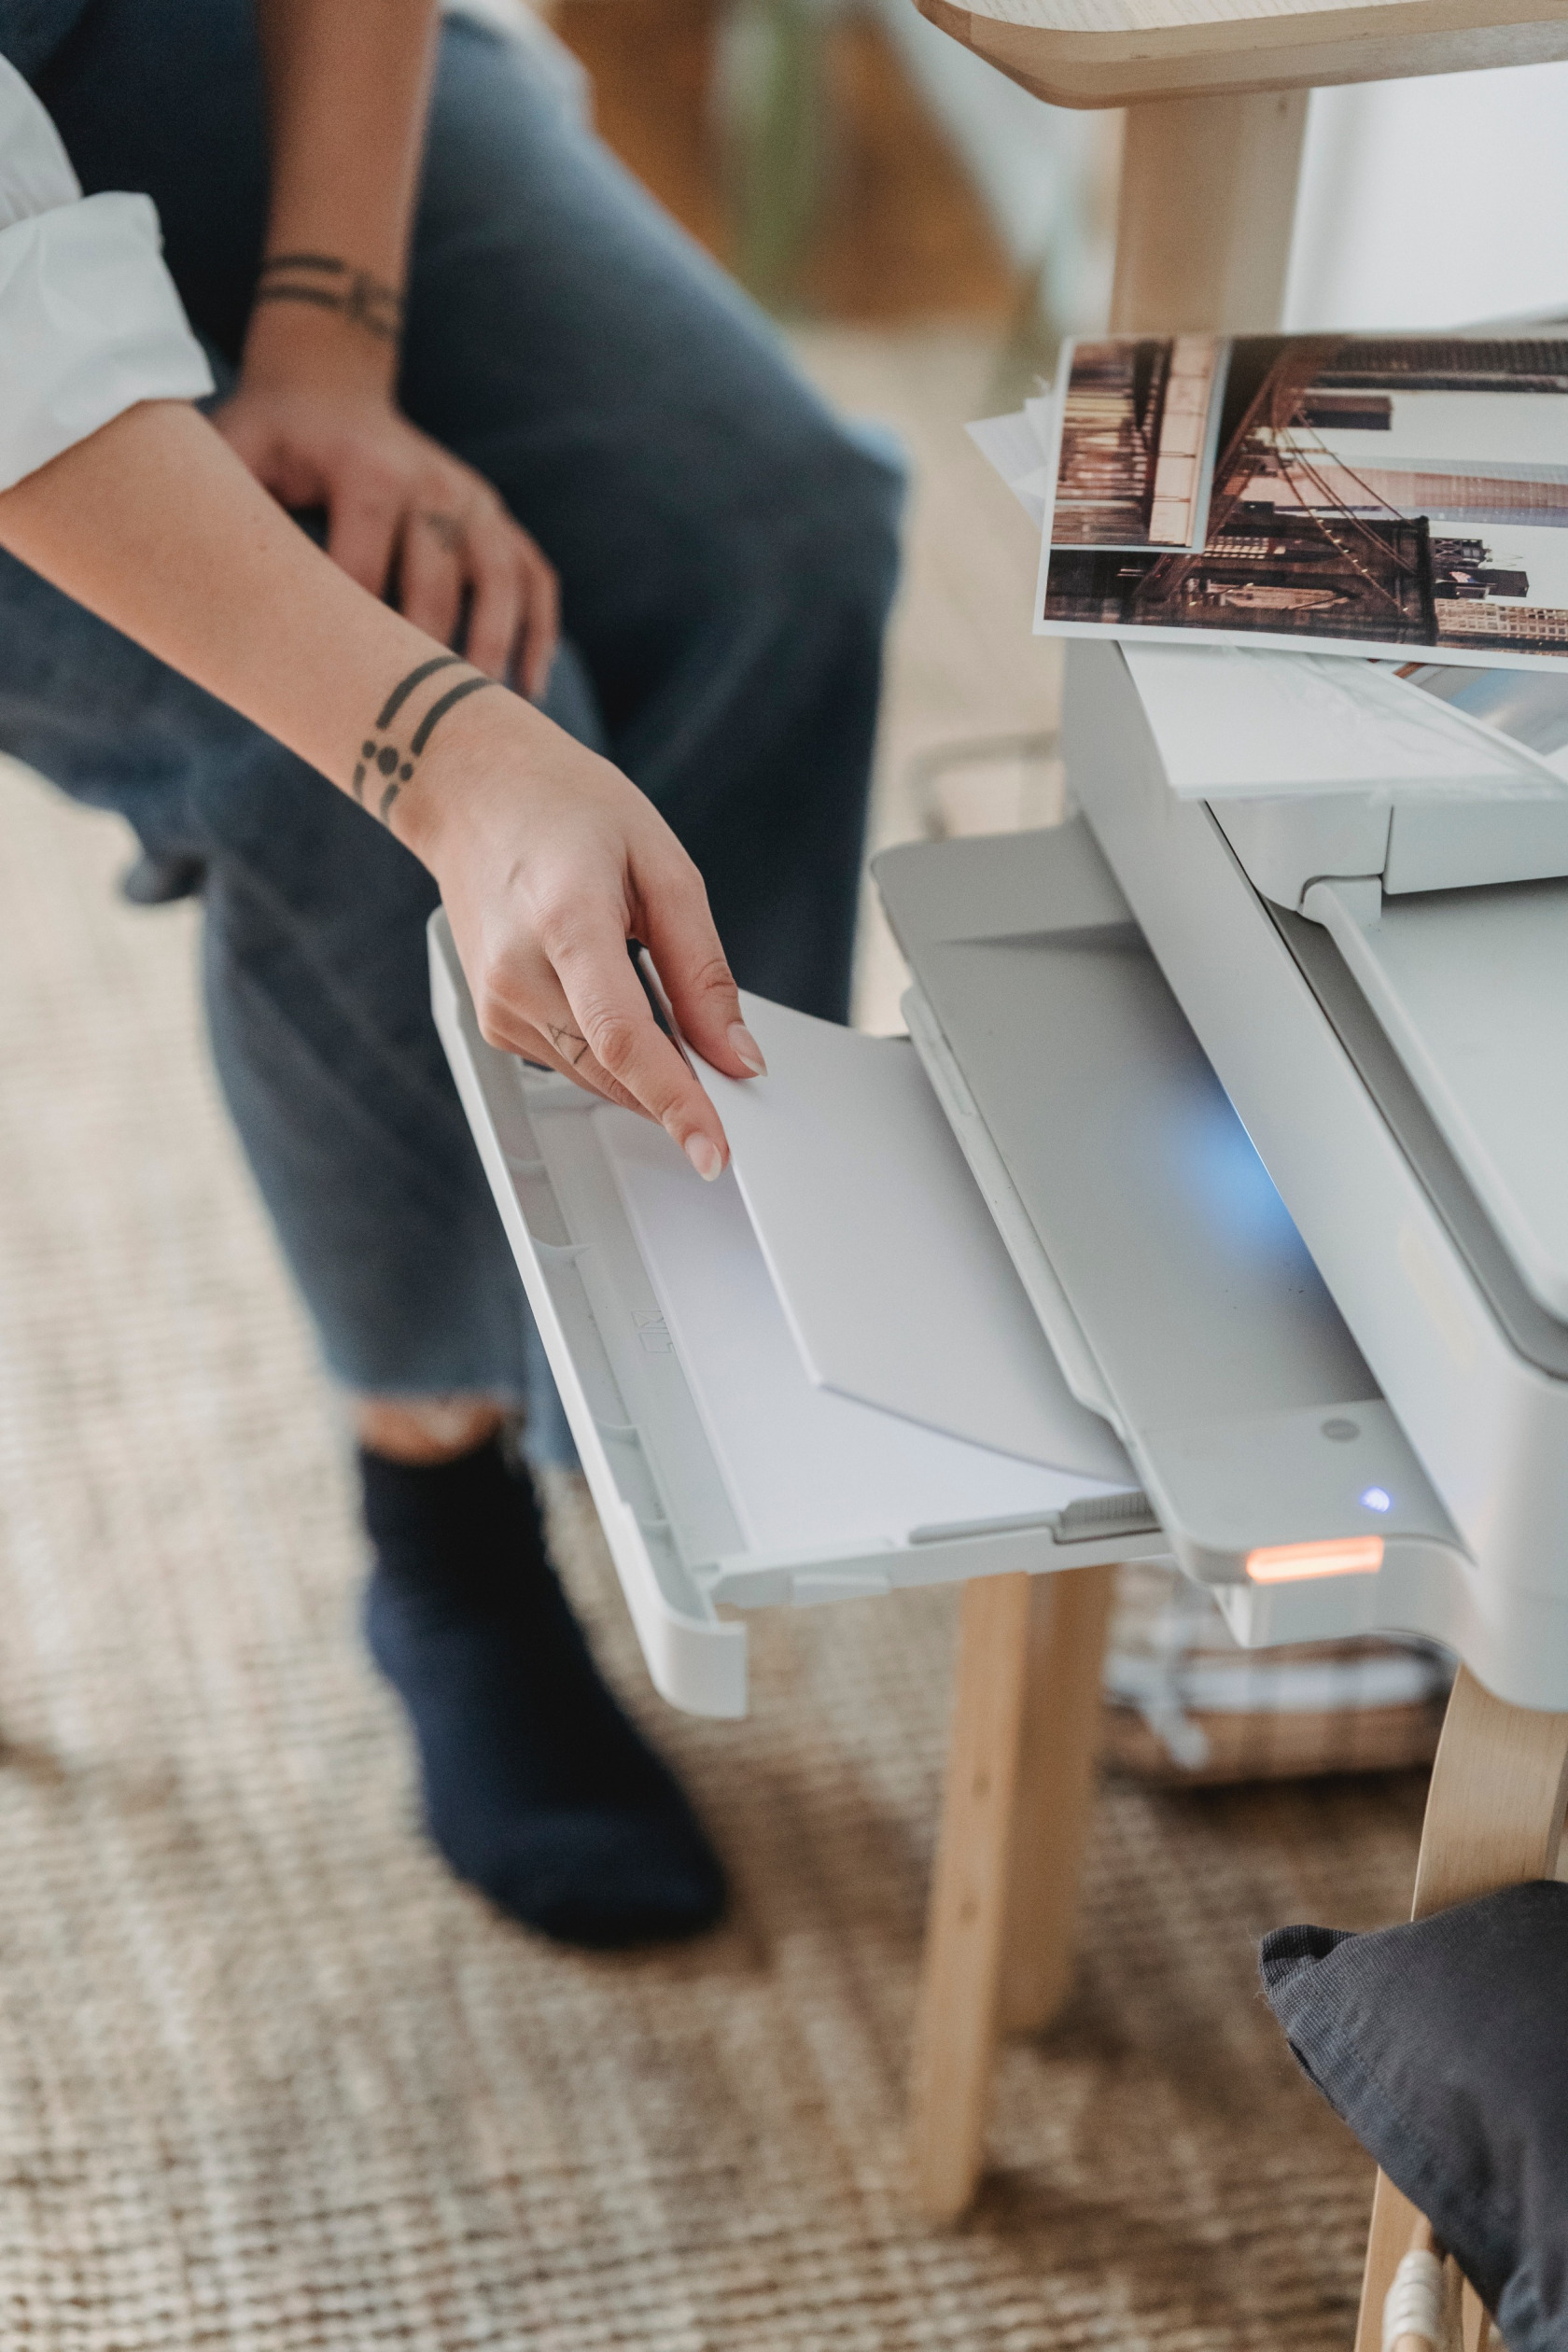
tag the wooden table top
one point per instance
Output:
(1114, 52)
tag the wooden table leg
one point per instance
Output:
(1493, 1817)
(1054, 1800)
(1203, 240)
(1206, 209)
(1018, 1788)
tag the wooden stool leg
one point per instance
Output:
(1493, 1817)
(956, 2019)
(1015, 1818)
(1053, 1803)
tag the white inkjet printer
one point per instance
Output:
(1215, 1208)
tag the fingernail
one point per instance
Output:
(705, 1156)
(745, 1048)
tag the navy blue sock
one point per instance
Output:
(538, 1788)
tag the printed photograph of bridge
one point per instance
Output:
(1363, 493)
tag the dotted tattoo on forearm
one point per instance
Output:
(381, 758)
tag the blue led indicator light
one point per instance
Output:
(1378, 1499)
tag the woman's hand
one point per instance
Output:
(549, 861)
(394, 497)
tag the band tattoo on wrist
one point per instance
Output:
(327, 283)
(389, 765)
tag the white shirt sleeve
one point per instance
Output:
(89, 321)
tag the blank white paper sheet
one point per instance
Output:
(895, 1282)
(807, 1471)
(1237, 722)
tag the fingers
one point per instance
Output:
(558, 1047)
(678, 930)
(525, 1011)
(433, 558)
(514, 621)
(365, 510)
(392, 493)
(500, 597)
(251, 440)
(294, 476)
(541, 623)
(615, 1021)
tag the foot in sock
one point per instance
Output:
(537, 1787)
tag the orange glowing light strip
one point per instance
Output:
(1342, 1556)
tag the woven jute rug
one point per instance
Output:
(270, 2081)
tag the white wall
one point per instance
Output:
(1435, 202)
(1423, 203)
(1038, 168)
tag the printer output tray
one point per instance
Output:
(1177, 1296)
(723, 1475)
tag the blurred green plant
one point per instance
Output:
(771, 93)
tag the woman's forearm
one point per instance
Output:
(154, 524)
(348, 92)
(314, 416)
(549, 860)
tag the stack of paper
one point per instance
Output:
(1244, 513)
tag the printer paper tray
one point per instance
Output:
(801, 1496)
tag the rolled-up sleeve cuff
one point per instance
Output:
(90, 325)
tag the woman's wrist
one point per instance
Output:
(428, 767)
(321, 281)
(329, 329)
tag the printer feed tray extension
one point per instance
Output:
(726, 1475)
(1154, 1247)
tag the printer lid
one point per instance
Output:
(1471, 989)
(1452, 932)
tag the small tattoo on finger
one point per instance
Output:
(447, 529)
(564, 1039)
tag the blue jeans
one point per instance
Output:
(727, 554)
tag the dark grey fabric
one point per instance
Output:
(1444, 2045)
(30, 31)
